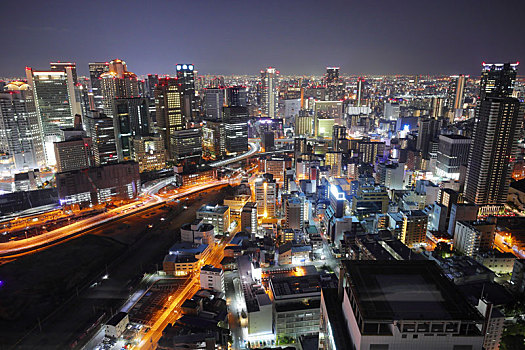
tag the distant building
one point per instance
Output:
(100, 128)
(249, 218)
(452, 153)
(186, 146)
(266, 192)
(294, 213)
(149, 152)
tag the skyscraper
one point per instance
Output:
(494, 138)
(236, 96)
(100, 128)
(186, 76)
(54, 98)
(334, 85)
(96, 69)
(117, 82)
(169, 110)
(130, 119)
(20, 133)
(269, 92)
(214, 100)
(74, 154)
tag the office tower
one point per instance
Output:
(74, 154)
(300, 147)
(149, 153)
(20, 133)
(326, 114)
(268, 141)
(414, 229)
(130, 119)
(473, 237)
(303, 124)
(266, 191)
(294, 213)
(249, 218)
(100, 128)
(334, 85)
(213, 140)
(452, 153)
(186, 146)
(236, 96)
(335, 161)
(117, 82)
(214, 101)
(186, 76)
(498, 78)
(54, 94)
(359, 92)
(370, 150)
(392, 110)
(74, 88)
(152, 82)
(379, 305)
(96, 69)
(456, 91)
(235, 130)
(269, 92)
(437, 107)
(494, 139)
(97, 185)
(427, 131)
(168, 110)
(339, 139)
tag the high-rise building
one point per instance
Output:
(472, 237)
(168, 110)
(20, 133)
(266, 191)
(152, 82)
(269, 92)
(186, 76)
(456, 91)
(235, 130)
(303, 124)
(427, 131)
(186, 146)
(73, 86)
(339, 139)
(437, 107)
(236, 96)
(214, 101)
(414, 229)
(294, 213)
(498, 79)
(55, 99)
(100, 128)
(96, 69)
(452, 153)
(494, 139)
(130, 119)
(149, 152)
(74, 154)
(249, 218)
(392, 110)
(213, 140)
(117, 82)
(326, 114)
(334, 85)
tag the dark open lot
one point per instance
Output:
(56, 286)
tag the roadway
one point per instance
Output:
(15, 249)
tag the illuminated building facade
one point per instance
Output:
(96, 69)
(149, 153)
(130, 119)
(266, 191)
(494, 140)
(20, 133)
(117, 82)
(186, 77)
(169, 110)
(74, 154)
(101, 130)
(269, 92)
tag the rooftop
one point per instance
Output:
(405, 290)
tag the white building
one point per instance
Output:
(117, 325)
(212, 278)
(471, 237)
(197, 232)
(218, 216)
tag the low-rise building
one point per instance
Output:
(198, 232)
(290, 253)
(116, 325)
(212, 278)
(218, 216)
(185, 258)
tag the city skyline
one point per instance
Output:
(298, 38)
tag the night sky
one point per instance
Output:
(238, 37)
